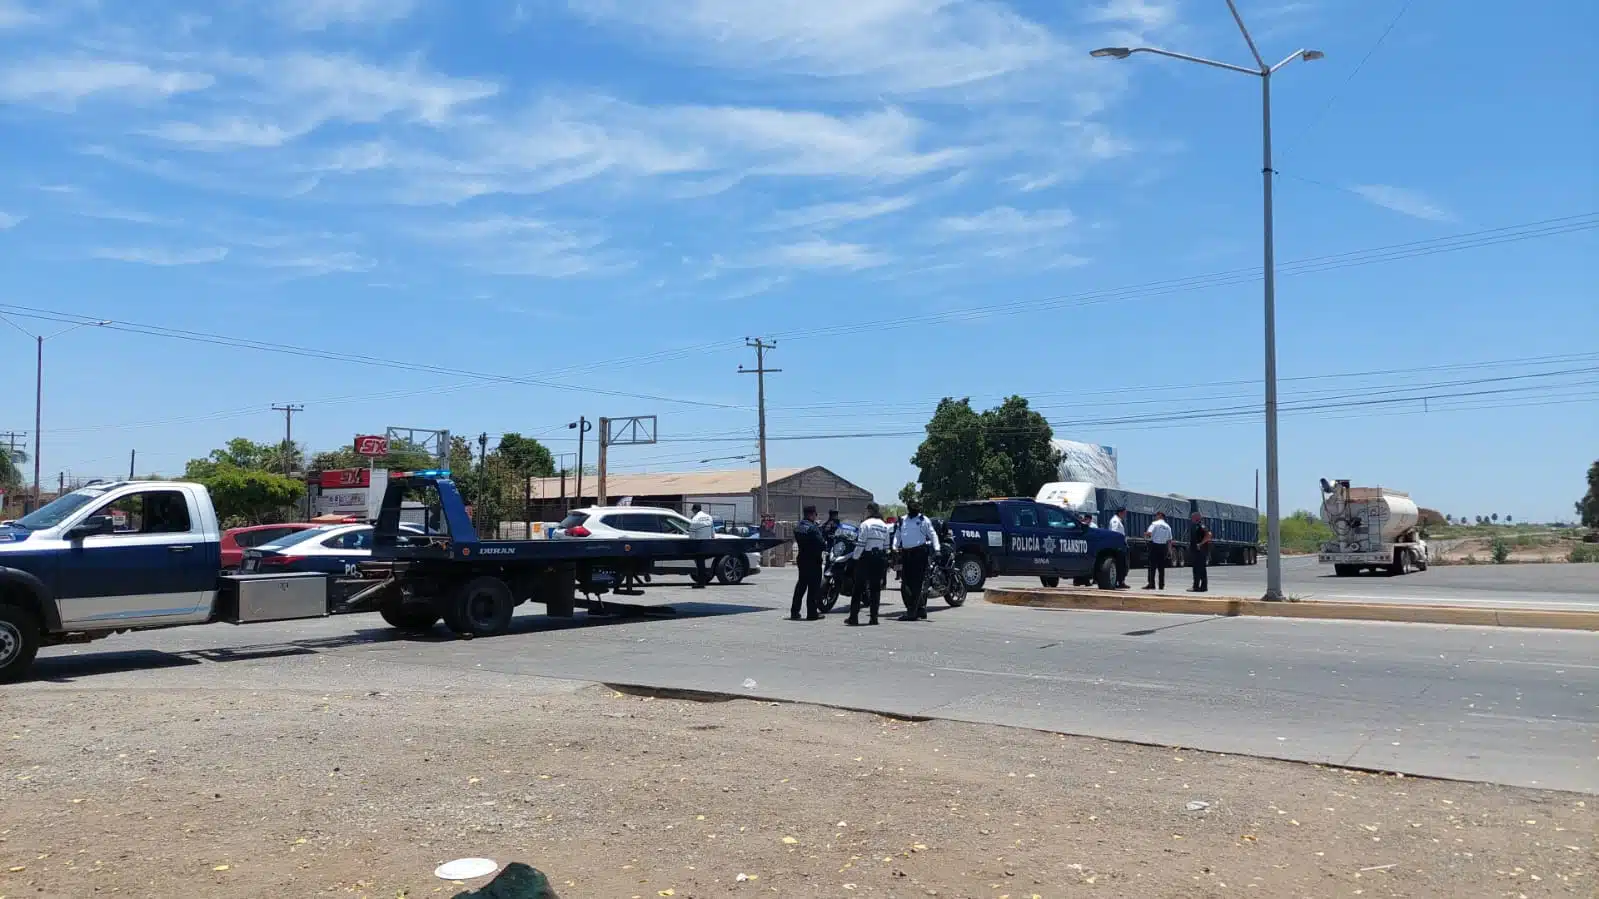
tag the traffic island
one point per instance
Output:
(1232, 606)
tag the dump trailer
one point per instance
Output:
(1374, 529)
(1234, 529)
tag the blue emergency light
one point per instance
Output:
(426, 473)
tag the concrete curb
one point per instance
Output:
(1124, 601)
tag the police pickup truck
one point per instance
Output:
(137, 555)
(1026, 537)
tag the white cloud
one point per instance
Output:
(1030, 183)
(63, 82)
(148, 256)
(823, 254)
(508, 245)
(298, 93)
(1403, 201)
(316, 15)
(1007, 220)
(223, 134)
(314, 264)
(897, 46)
(14, 14)
(1143, 14)
(9, 221)
(828, 215)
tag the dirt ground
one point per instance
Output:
(287, 793)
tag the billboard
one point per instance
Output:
(372, 445)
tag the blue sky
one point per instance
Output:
(914, 197)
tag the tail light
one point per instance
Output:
(579, 531)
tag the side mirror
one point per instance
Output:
(93, 526)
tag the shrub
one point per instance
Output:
(1583, 553)
(1500, 550)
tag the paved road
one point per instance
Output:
(1510, 706)
(1552, 586)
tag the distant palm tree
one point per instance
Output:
(10, 475)
(1495, 517)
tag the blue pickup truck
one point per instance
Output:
(1033, 539)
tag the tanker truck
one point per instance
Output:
(1373, 528)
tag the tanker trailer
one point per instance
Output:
(1373, 528)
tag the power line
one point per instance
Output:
(1403, 8)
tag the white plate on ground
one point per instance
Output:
(466, 869)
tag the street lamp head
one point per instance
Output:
(1312, 55)
(1111, 53)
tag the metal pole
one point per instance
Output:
(38, 402)
(133, 456)
(599, 496)
(760, 371)
(582, 428)
(1274, 558)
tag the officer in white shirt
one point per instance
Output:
(1159, 534)
(916, 539)
(871, 565)
(701, 527)
(1118, 523)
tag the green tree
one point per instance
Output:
(11, 479)
(1020, 458)
(525, 457)
(246, 496)
(951, 458)
(248, 455)
(1588, 506)
(403, 456)
(909, 493)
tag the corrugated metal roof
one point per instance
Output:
(687, 483)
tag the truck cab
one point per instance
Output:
(1025, 537)
(109, 557)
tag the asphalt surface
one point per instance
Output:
(1513, 706)
(1539, 586)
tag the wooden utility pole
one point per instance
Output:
(760, 371)
(133, 457)
(288, 410)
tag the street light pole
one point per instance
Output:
(1274, 561)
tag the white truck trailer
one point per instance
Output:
(1373, 528)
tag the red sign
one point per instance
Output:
(372, 445)
(346, 478)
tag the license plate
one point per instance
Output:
(249, 564)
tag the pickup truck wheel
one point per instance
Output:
(19, 642)
(410, 616)
(1082, 581)
(731, 569)
(1049, 580)
(481, 607)
(973, 572)
(1105, 573)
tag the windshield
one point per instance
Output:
(296, 537)
(58, 510)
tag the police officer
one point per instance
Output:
(1118, 523)
(916, 539)
(1199, 554)
(701, 526)
(830, 526)
(871, 565)
(1159, 534)
(811, 543)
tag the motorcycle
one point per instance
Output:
(944, 577)
(838, 569)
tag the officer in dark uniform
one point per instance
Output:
(812, 545)
(831, 525)
(1199, 540)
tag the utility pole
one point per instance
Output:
(605, 428)
(482, 476)
(582, 426)
(288, 410)
(133, 457)
(760, 371)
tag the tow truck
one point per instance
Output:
(70, 574)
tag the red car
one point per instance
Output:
(237, 540)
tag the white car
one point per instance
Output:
(645, 522)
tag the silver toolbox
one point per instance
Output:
(249, 598)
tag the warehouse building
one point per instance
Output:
(730, 496)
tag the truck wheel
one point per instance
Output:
(973, 571)
(1082, 581)
(1105, 573)
(1049, 580)
(410, 616)
(1346, 570)
(481, 607)
(19, 642)
(1401, 563)
(731, 569)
